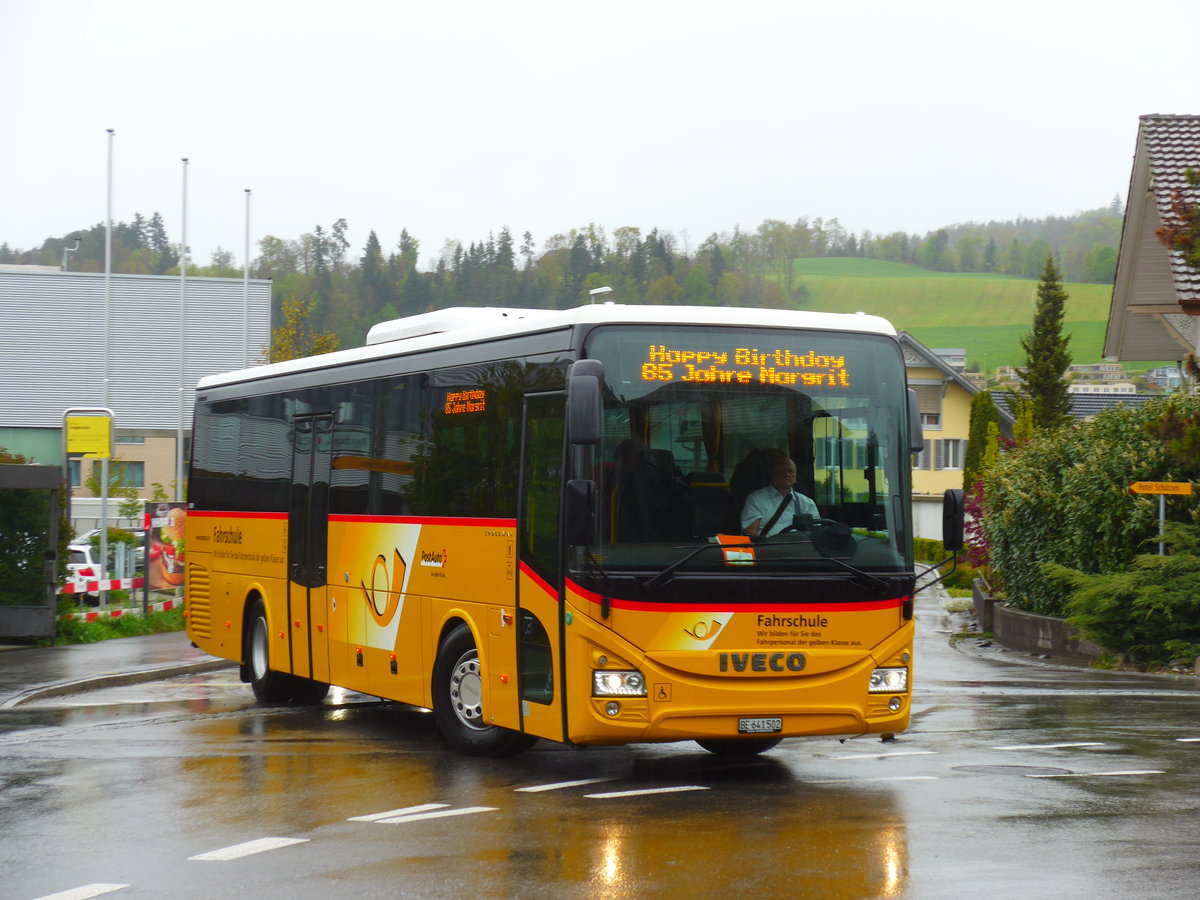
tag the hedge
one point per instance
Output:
(1064, 498)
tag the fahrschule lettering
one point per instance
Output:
(771, 621)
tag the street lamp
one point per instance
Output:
(107, 351)
(597, 291)
(246, 290)
(182, 338)
(69, 250)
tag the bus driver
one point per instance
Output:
(766, 511)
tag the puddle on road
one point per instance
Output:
(1024, 771)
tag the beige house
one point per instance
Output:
(944, 396)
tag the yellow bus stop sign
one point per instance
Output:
(1162, 487)
(89, 435)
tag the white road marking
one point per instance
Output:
(884, 755)
(1188, 740)
(1101, 774)
(249, 848)
(395, 813)
(644, 791)
(441, 814)
(1051, 746)
(883, 778)
(562, 785)
(83, 893)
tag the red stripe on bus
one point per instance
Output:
(217, 514)
(830, 606)
(426, 520)
(539, 581)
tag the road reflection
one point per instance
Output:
(753, 827)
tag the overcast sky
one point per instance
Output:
(454, 119)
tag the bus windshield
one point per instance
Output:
(701, 425)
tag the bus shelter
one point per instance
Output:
(28, 550)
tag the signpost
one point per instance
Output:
(1162, 488)
(88, 434)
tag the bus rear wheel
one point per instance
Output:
(269, 685)
(458, 702)
(752, 747)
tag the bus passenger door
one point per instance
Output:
(539, 575)
(308, 530)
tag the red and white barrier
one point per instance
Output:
(95, 587)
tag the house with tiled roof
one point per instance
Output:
(944, 396)
(1155, 289)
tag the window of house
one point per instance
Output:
(123, 473)
(947, 454)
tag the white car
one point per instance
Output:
(82, 568)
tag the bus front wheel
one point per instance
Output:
(269, 685)
(458, 701)
(751, 747)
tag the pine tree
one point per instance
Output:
(1046, 354)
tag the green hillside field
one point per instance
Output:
(987, 315)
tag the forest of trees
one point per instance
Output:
(349, 292)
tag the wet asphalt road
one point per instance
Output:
(1014, 780)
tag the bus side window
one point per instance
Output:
(398, 441)
(349, 482)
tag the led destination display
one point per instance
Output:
(745, 365)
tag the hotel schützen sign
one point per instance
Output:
(1162, 487)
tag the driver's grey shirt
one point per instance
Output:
(761, 504)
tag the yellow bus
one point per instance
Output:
(533, 523)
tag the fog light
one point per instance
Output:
(894, 704)
(888, 681)
(612, 707)
(618, 684)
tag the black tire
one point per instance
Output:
(731, 747)
(458, 702)
(308, 692)
(269, 685)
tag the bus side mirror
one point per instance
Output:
(953, 520)
(583, 401)
(578, 507)
(916, 439)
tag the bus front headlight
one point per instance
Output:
(618, 684)
(888, 681)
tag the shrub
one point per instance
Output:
(77, 631)
(928, 550)
(1064, 498)
(1151, 610)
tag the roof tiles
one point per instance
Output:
(1172, 145)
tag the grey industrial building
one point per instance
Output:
(52, 348)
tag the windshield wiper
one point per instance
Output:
(864, 578)
(665, 575)
(595, 569)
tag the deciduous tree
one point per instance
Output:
(295, 338)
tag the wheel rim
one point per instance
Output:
(466, 691)
(258, 649)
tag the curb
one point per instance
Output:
(116, 679)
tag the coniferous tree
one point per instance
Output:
(1046, 353)
(983, 414)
